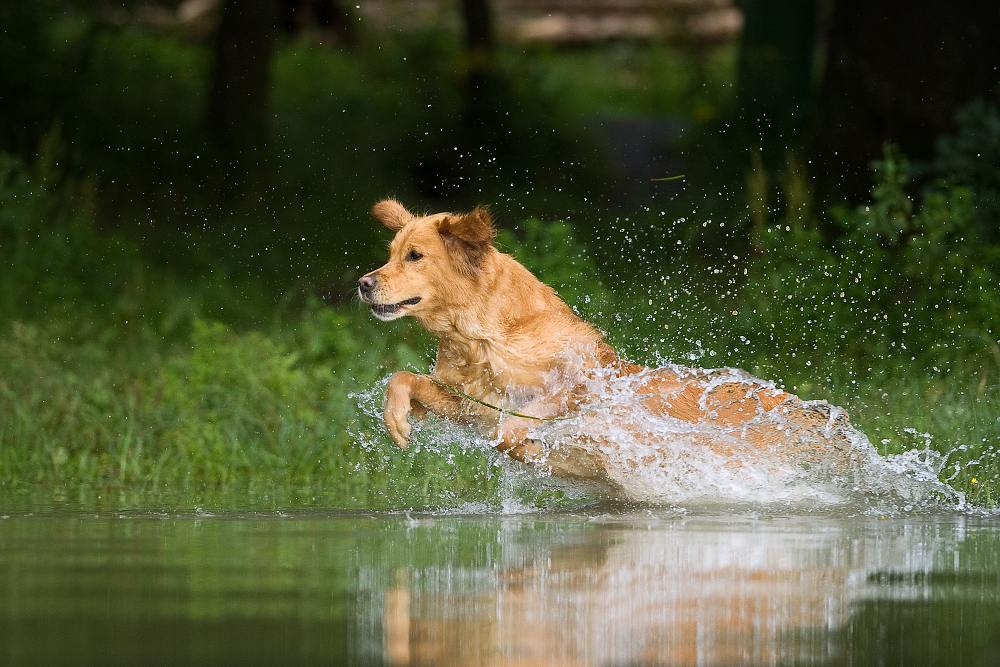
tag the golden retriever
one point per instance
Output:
(511, 353)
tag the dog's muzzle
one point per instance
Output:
(383, 311)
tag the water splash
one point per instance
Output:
(800, 456)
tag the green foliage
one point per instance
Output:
(136, 380)
(105, 380)
(972, 158)
(898, 319)
(220, 409)
(50, 253)
(904, 281)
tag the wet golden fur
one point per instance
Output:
(507, 339)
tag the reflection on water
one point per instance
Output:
(531, 589)
(679, 592)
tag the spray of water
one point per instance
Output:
(802, 455)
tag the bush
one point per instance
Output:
(905, 281)
(971, 158)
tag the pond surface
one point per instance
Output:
(574, 587)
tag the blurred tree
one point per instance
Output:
(484, 88)
(775, 73)
(479, 33)
(38, 76)
(238, 116)
(897, 71)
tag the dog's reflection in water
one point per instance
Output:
(638, 598)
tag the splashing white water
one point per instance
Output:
(809, 458)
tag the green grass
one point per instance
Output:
(217, 408)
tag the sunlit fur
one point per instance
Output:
(507, 339)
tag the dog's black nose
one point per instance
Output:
(366, 284)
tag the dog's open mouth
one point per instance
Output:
(383, 310)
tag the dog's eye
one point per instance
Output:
(413, 256)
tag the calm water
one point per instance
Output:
(578, 587)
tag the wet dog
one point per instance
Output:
(512, 355)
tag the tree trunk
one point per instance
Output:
(478, 25)
(238, 116)
(483, 87)
(775, 76)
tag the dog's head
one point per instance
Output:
(432, 260)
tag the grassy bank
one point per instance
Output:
(278, 412)
(116, 376)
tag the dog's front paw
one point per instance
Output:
(397, 409)
(399, 429)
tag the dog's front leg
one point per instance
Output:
(512, 433)
(417, 394)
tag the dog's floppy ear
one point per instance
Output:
(468, 239)
(475, 227)
(392, 214)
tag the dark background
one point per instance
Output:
(189, 127)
